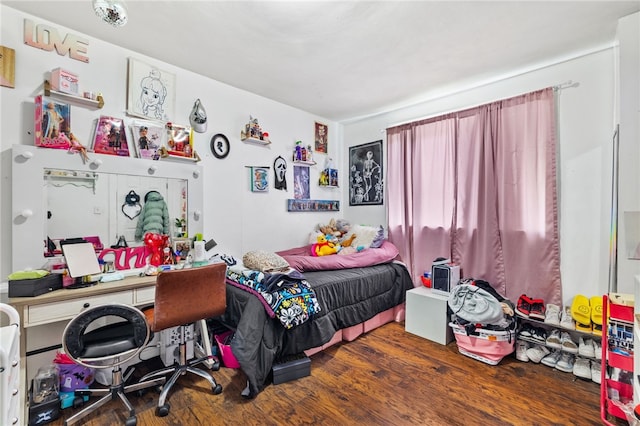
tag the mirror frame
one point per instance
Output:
(28, 219)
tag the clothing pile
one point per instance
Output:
(483, 321)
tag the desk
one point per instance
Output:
(43, 318)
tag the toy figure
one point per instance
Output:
(323, 247)
(143, 141)
(76, 146)
(54, 120)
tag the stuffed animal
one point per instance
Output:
(347, 241)
(323, 247)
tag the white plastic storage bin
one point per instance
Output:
(488, 346)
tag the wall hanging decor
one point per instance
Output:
(7, 67)
(131, 207)
(365, 174)
(110, 137)
(280, 173)
(259, 178)
(253, 133)
(294, 205)
(321, 137)
(220, 146)
(150, 91)
(301, 183)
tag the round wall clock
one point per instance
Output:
(220, 146)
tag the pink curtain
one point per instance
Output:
(479, 186)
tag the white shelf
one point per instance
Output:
(73, 99)
(256, 141)
(304, 163)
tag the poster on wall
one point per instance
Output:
(150, 91)
(321, 135)
(259, 179)
(365, 174)
(301, 183)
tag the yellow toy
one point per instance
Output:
(323, 247)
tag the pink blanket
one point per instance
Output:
(300, 258)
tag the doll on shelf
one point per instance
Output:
(76, 146)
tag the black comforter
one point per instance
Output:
(347, 297)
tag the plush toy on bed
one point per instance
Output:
(323, 247)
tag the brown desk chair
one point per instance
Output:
(184, 297)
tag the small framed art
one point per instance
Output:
(259, 179)
(321, 135)
(111, 137)
(366, 186)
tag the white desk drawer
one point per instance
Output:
(144, 295)
(58, 311)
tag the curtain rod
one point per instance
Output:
(565, 85)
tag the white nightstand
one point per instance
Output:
(426, 315)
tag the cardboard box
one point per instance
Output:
(291, 368)
(64, 81)
(52, 123)
(35, 287)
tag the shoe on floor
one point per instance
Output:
(537, 352)
(552, 314)
(521, 351)
(552, 359)
(596, 309)
(582, 368)
(586, 348)
(565, 363)
(523, 306)
(568, 345)
(596, 372)
(553, 340)
(537, 310)
(566, 320)
(581, 309)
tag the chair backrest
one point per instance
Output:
(188, 295)
(114, 343)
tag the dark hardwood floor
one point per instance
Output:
(385, 377)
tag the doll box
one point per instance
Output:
(488, 346)
(64, 81)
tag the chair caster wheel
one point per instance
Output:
(163, 410)
(78, 402)
(217, 390)
(131, 421)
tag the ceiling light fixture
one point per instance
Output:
(112, 12)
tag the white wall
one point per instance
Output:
(585, 129)
(236, 218)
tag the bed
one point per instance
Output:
(355, 293)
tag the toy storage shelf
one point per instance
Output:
(73, 99)
(256, 141)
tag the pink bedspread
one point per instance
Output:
(300, 258)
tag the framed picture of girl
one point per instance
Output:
(150, 91)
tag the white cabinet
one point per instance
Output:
(10, 400)
(426, 315)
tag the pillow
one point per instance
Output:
(264, 261)
(367, 235)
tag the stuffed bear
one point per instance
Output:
(323, 247)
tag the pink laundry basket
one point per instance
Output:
(488, 346)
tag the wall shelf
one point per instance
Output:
(73, 99)
(255, 141)
(305, 163)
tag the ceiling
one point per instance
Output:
(343, 60)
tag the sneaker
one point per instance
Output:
(582, 368)
(565, 363)
(526, 331)
(537, 352)
(539, 334)
(552, 359)
(553, 340)
(537, 310)
(552, 314)
(596, 372)
(597, 350)
(568, 345)
(585, 348)
(566, 321)
(523, 307)
(521, 351)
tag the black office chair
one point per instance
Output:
(108, 346)
(183, 297)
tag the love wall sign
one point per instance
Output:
(47, 38)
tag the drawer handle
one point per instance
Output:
(86, 305)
